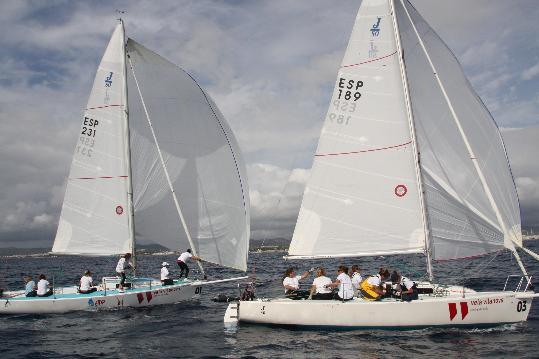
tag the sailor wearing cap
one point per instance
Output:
(165, 274)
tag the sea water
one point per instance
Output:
(195, 328)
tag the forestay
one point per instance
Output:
(94, 218)
(202, 158)
(362, 197)
(462, 219)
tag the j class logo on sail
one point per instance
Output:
(108, 80)
(375, 29)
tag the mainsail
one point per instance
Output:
(201, 156)
(362, 197)
(94, 218)
(381, 179)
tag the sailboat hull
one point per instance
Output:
(489, 308)
(69, 300)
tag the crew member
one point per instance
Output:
(165, 274)
(319, 291)
(86, 283)
(29, 286)
(344, 283)
(43, 287)
(182, 262)
(406, 289)
(121, 267)
(291, 283)
(356, 278)
(372, 287)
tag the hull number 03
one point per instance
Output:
(521, 306)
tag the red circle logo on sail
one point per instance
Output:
(401, 190)
(119, 210)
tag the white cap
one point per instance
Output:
(165, 264)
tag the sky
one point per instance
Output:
(270, 65)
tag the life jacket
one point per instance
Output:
(368, 290)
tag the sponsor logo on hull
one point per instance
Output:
(475, 305)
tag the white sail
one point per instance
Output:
(201, 156)
(362, 197)
(94, 219)
(467, 215)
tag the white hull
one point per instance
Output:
(487, 308)
(70, 301)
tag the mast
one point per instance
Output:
(165, 170)
(458, 124)
(428, 248)
(130, 206)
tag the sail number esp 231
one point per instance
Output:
(86, 140)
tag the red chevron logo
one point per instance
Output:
(453, 310)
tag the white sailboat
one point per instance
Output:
(409, 161)
(154, 160)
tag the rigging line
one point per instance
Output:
(373, 60)
(481, 266)
(165, 170)
(531, 253)
(363, 151)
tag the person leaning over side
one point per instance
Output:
(319, 291)
(344, 283)
(86, 283)
(29, 286)
(372, 287)
(182, 262)
(291, 283)
(121, 267)
(406, 289)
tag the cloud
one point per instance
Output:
(275, 199)
(531, 72)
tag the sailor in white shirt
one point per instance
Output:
(405, 288)
(182, 262)
(319, 289)
(291, 283)
(165, 274)
(122, 266)
(356, 279)
(43, 287)
(86, 283)
(343, 281)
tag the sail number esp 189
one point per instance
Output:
(344, 104)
